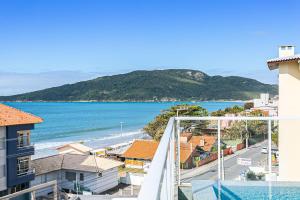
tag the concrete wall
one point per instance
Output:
(3, 159)
(289, 131)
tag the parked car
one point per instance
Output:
(264, 150)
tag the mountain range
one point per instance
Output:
(156, 85)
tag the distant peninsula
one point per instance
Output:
(156, 85)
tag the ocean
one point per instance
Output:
(97, 124)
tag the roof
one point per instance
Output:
(75, 148)
(76, 162)
(11, 116)
(209, 141)
(142, 149)
(273, 63)
(186, 149)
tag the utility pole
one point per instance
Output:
(247, 136)
(180, 109)
(121, 124)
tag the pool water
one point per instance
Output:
(251, 190)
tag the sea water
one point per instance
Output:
(97, 124)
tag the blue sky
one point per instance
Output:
(231, 37)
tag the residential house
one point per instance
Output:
(16, 150)
(116, 151)
(192, 146)
(74, 148)
(140, 153)
(77, 173)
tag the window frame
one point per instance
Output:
(23, 165)
(23, 138)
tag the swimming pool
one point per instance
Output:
(250, 190)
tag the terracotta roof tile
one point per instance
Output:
(186, 149)
(142, 149)
(209, 141)
(274, 63)
(11, 116)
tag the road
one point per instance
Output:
(232, 169)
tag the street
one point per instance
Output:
(232, 169)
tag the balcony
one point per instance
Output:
(166, 180)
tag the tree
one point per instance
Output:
(157, 127)
(228, 110)
(248, 105)
(236, 131)
(218, 113)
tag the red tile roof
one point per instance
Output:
(187, 149)
(11, 116)
(209, 141)
(142, 149)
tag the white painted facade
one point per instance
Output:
(133, 179)
(3, 159)
(262, 101)
(95, 182)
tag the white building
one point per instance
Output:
(74, 148)
(77, 173)
(262, 101)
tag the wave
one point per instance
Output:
(54, 144)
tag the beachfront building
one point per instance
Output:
(140, 154)
(288, 64)
(16, 150)
(74, 148)
(76, 173)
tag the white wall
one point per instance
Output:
(3, 158)
(289, 137)
(91, 181)
(133, 179)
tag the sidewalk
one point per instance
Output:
(189, 173)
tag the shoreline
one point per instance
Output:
(44, 148)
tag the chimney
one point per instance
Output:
(286, 50)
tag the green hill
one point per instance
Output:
(172, 84)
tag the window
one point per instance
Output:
(81, 177)
(23, 138)
(22, 165)
(71, 176)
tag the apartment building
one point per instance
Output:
(16, 150)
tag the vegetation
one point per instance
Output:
(229, 110)
(157, 85)
(157, 126)
(248, 105)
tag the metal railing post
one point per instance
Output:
(172, 158)
(178, 148)
(270, 147)
(219, 150)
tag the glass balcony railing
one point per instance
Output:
(234, 149)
